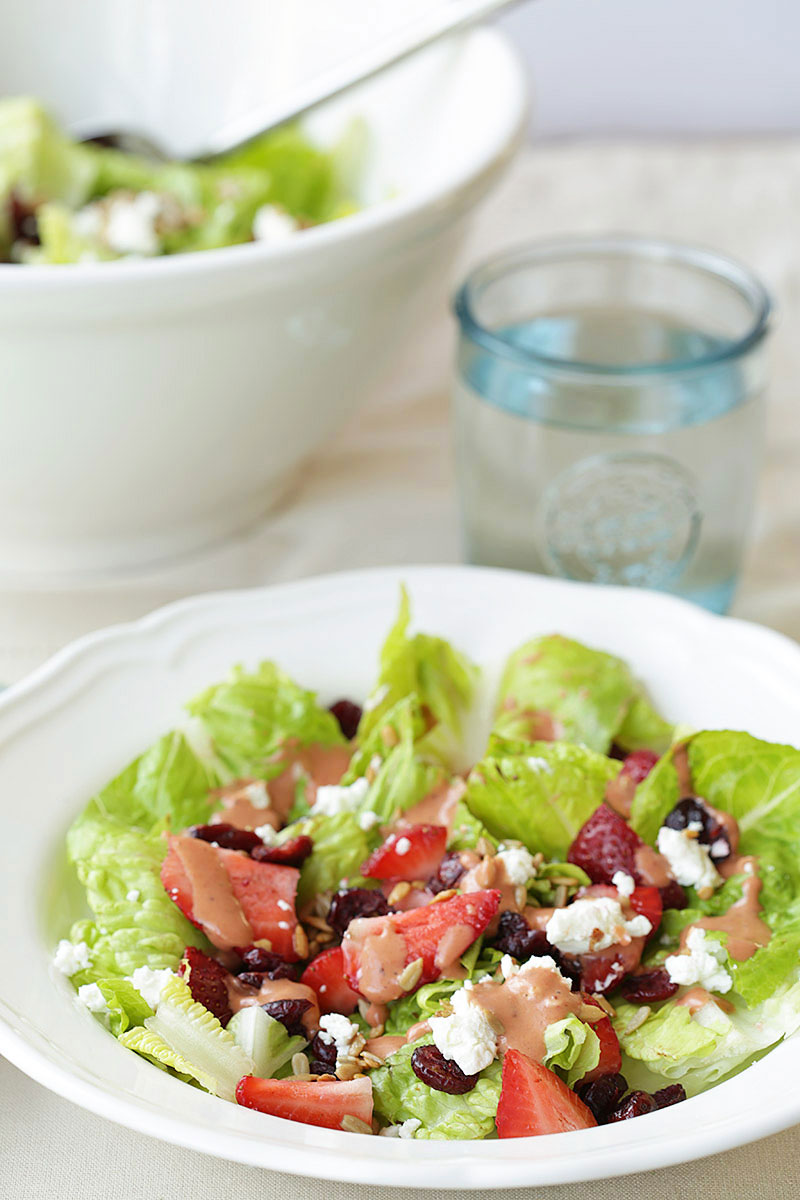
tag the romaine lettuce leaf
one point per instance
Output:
(126, 1007)
(251, 714)
(340, 847)
(584, 695)
(264, 1040)
(573, 1047)
(37, 161)
(541, 799)
(399, 1096)
(430, 669)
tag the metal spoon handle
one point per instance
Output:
(427, 28)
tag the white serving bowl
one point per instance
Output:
(79, 719)
(150, 407)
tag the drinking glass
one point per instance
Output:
(609, 411)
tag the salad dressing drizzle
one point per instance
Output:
(437, 808)
(319, 765)
(484, 874)
(214, 905)
(240, 995)
(382, 959)
(742, 922)
(697, 998)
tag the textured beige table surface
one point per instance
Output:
(383, 494)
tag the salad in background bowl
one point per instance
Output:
(324, 915)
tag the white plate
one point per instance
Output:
(81, 717)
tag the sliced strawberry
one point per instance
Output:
(314, 1102)
(325, 974)
(638, 765)
(610, 1053)
(646, 901)
(266, 895)
(437, 934)
(207, 980)
(534, 1101)
(604, 845)
(411, 853)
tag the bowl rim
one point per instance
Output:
(490, 1164)
(393, 210)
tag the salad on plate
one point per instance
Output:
(63, 201)
(332, 916)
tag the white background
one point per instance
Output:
(697, 66)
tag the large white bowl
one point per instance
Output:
(80, 718)
(148, 408)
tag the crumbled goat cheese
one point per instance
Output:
(623, 882)
(150, 984)
(334, 799)
(689, 860)
(402, 845)
(589, 925)
(406, 1130)
(467, 1036)
(257, 794)
(131, 224)
(71, 957)
(272, 225)
(368, 820)
(377, 698)
(702, 965)
(509, 968)
(336, 1030)
(93, 998)
(133, 895)
(518, 863)
(267, 833)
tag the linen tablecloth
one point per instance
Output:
(383, 493)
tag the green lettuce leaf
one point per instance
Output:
(541, 799)
(126, 1007)
(479, 960)
(430, 669)
(251, 714)
(39, 162)
(340, 847)
(585, 693)
(467, 830)
(643, 728)
(264, 1040)
(400, 1096)
(573, 1047)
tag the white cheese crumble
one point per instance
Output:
(272, 225)
(257, 794)
(518, 863)
(623, 882)
(375, 763)
(689, 860)
(406, 1129)
(93, 998)
(593, 924)
(377, 698)
(71, 957)
(467, 1036)
(508, 967)
(333, 799)
(402, 845)
(334, 1029)
(538, 764)
(702, 965)
(150, 984)
(131, 224)
(368, 820)
(133, 895)
(267, 833)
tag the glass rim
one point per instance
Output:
(656, 250)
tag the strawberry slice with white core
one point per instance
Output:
(534, 1101)
(313, 1102)
(235, 901)
(391, 956)
(412, 853)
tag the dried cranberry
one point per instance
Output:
(351, 903)
(289, 1012)
(670, 1095)
(634, 1105)
(440, 1073)
(515, 937)
(648, 987)
(672, 896)
(691, 811)
(264, 962)
(638, 765)
(450, 871)
(348, 715)
(253, 979)
(602, 1095)
(291, 853)
(323, 1055)
(226, 836)
(22, 218)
